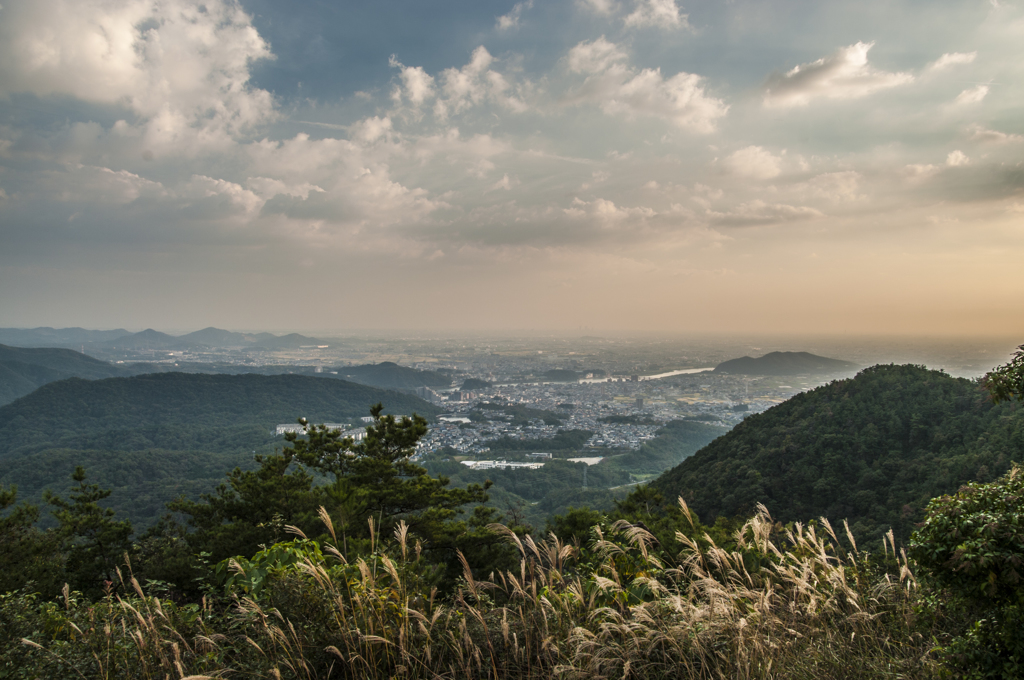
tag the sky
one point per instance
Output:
(650, 165)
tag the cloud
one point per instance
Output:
(97, 185)
(844, 75)
(599, 7)
(369, 130)
(754, 161)
(757, 213)
(504, 183)
(511, 20)
(986, 136)
(619, 89)
(956, 158)
(952, 59)
(837, 187)
(918, 172)
(659, 13)
(181, 67)
(474, 84)
(417, 85)
(972, 95)
(595, 56)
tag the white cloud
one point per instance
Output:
(755, 213)
(844, 75)
(620, 89)
(417, 84)
(504, 183)
(981, 134)
(600, 7)
(837, 187)
(606, 213)
(209, 197)
(97, 185)
(511, 20)
(956, 158)
(266, 187)
(952, 59)
(474, 84)
(369, 130)
(918, 172)
(754, 161)
(595, 56)
(972, 95)
(660, 13)
(182, 67)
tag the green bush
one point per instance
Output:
(971, 546)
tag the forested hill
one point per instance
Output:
(22, 370)
(784, 363)
(872, 449)
(153, 437)
(390, 375)
(181, 410)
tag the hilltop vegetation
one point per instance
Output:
(152, 437)
(23, 370)
(394, 583)
(873, 449)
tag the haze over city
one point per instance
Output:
(625, 166)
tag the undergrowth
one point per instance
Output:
(793, 602)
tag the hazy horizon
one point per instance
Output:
(627, 166)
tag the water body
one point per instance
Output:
(684, 371)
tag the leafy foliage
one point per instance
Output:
(971, 545)
(873, 449)
(91, 539)
(1006, 383)
(152, 438)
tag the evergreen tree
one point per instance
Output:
(26, 553)
(377, 478)
(91, 540)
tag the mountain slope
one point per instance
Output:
(784, 363)
(153, 437)
(872, 449)
(181, 410)
(390, 375)
(22, 370)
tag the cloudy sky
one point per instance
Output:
(657, 165)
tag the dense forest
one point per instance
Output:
(873, 450)
(162, 435)
(23, 370)
(387, 570)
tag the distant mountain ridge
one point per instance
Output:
(784, 363)
(151, 339)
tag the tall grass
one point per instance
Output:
(784, 604)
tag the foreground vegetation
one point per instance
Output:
(379, 575)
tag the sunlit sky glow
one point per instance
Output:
(655, 165)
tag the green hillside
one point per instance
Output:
(154, 436)
(872, 449)
(23, 370)
(390, 375)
